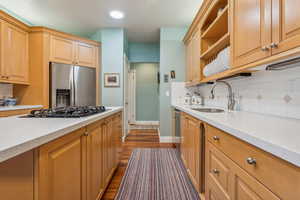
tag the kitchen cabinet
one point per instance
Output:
(14, 54)
(251, 31)
(63, 50)
(242, 170)
(85, 54)
(62, 168)
(227, 181)
(191, 149)
(193, 73)
(95, 182)
(285, 25)
(271, 28)
(14, 112)
(79, 165)
(17, 179)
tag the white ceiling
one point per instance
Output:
(142, 21)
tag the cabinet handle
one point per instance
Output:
(216, 138)
(251, 161)
(215, 171)
(274, 45)
(86, 133)
(265, 48)
(5, 77)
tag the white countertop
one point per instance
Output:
(276, 135)
(19, 107)
(18, 135)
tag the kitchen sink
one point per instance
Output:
(208, 110)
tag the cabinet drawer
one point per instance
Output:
(239, 184)
(218, 172)
(279, 176)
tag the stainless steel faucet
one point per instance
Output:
(231, 100)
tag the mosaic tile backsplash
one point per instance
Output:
(6, 90)
(267, 92)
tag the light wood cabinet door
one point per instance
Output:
(62, 50)
(62, 168)
(251, 30)
(95, 185)
(85, 55)
(196, 72)
(246, 187)
(16, 180)
(189, 61)
(14, 53)
(117, 135)
(286, 25)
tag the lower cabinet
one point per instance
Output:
(191, 149)
(17, 181)
(62, 168)
(226, 180)
(78, 166)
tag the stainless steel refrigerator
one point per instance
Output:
(72, 85)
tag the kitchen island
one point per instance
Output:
(59, 158)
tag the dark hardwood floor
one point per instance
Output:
(136, 139)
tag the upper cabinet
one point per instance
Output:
(67, 51)
(251, 31)
(257, 32)
(193, 73)
(14, 66)
(62, 50)
(262, 29)
(286, 25)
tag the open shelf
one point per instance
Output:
(218, 27)
(216, 47)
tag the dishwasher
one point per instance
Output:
(177, 127)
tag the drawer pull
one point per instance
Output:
(216, 138)
(251, 161)
(274, 45)
(215, 171)
(86, 133)
(265, 48)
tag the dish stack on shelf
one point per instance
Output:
(219, 64)
(215, 39)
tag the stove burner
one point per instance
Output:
(67, 112)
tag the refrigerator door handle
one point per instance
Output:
(72, 89)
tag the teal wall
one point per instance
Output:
(15, 16)
(143, 52)
(112, 48)
(172, 57)
(147, 91)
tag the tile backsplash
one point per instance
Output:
(267, 92)
(6, 90)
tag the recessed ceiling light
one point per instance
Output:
(115, 14)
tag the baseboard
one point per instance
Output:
(169, 139)
(153, 123)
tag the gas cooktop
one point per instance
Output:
(66, 112)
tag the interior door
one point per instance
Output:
(84, 86)
(251, 30)
(286, 25)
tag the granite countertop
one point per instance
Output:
(19, 107)
(19, 135)
(277, 135)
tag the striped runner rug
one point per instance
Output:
(156, 174)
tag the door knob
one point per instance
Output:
(216, 138)
(274, 45)
(265, 48)
(251, 161)
(215, 171)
